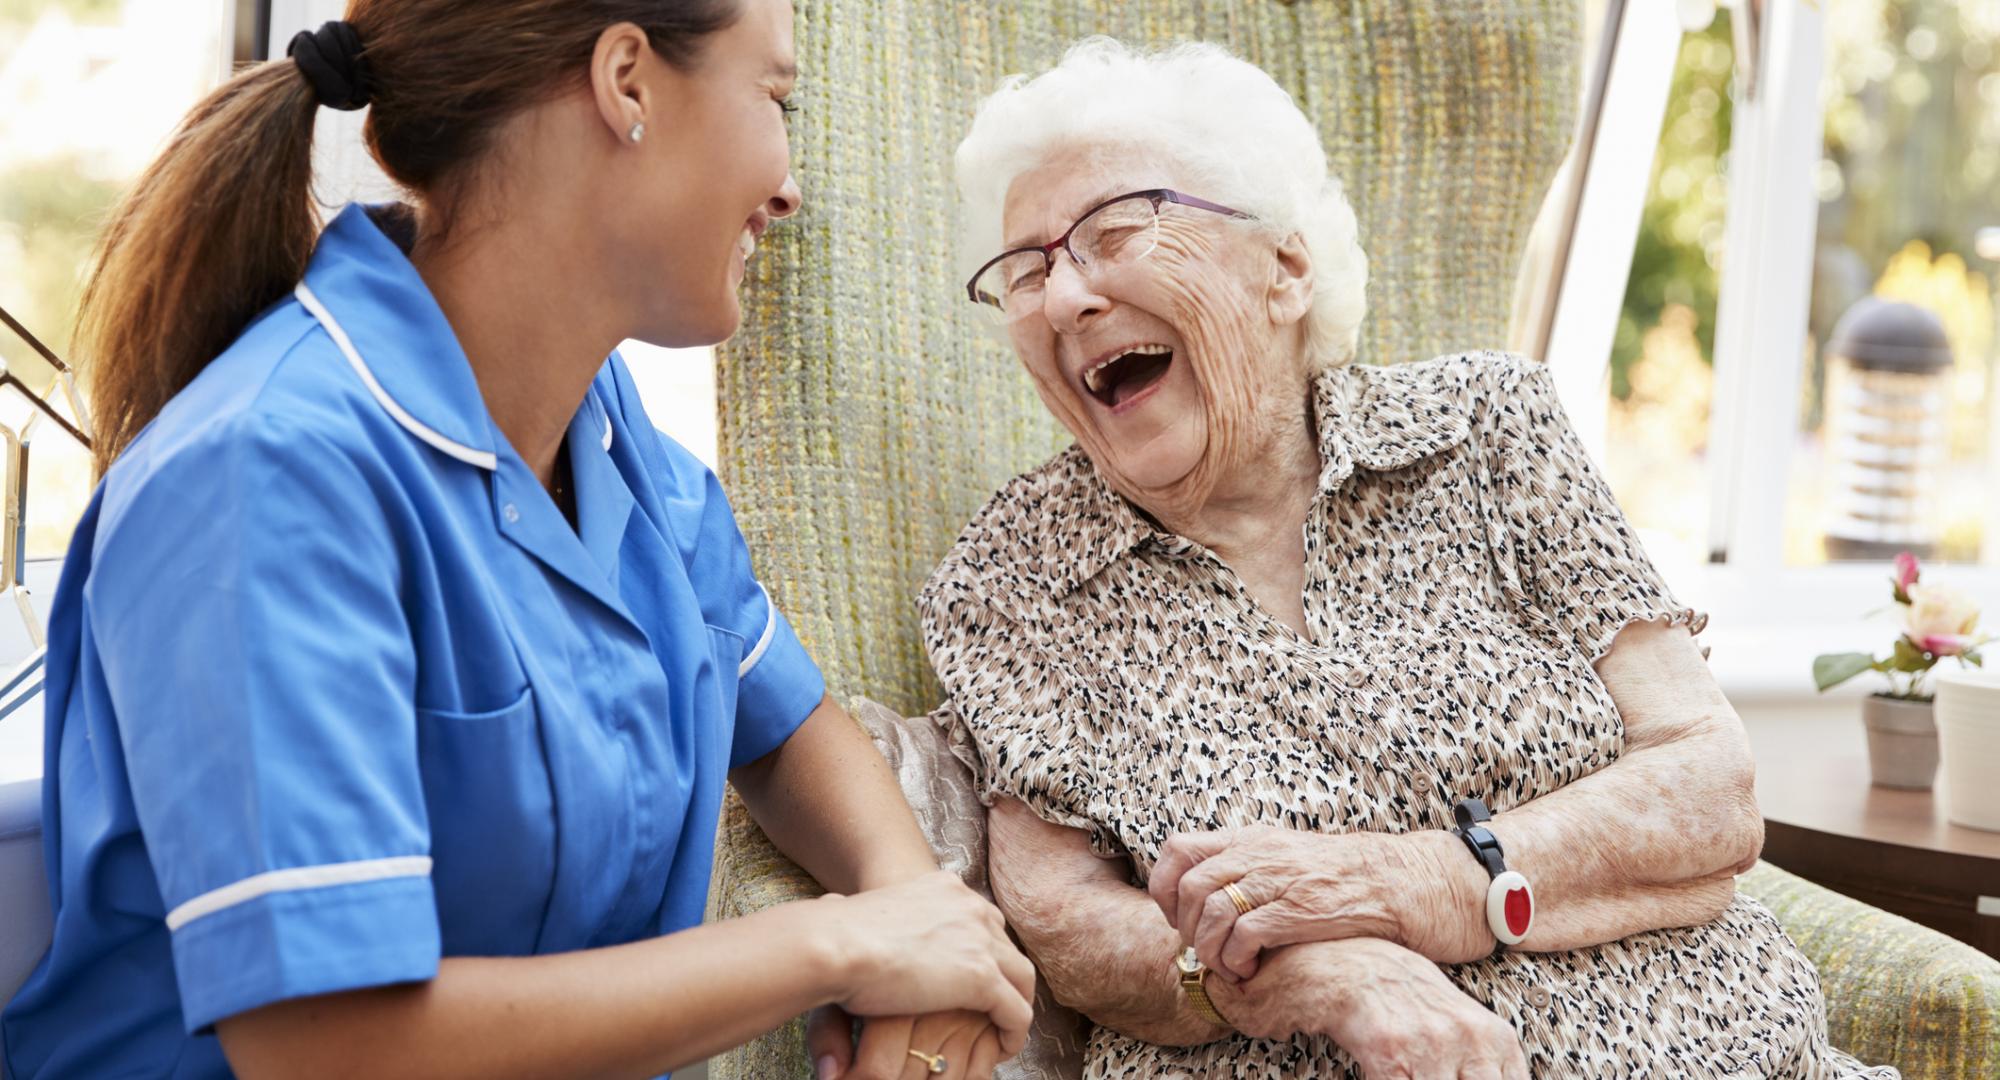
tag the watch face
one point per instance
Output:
(1510, 907)
(1188, 962)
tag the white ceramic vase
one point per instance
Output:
(1968, 719)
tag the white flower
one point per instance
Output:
(1939, 620)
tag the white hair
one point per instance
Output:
(1231, 125)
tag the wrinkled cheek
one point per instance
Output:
(1213, 318)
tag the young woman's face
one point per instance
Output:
(715, 172)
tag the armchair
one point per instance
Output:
(865, 416)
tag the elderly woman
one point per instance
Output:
(1278, 617)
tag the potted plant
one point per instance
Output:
(1902, 736)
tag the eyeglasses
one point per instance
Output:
(1115, 232)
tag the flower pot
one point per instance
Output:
(1902, 742)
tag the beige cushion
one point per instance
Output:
(939, 788)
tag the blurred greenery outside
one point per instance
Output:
(1911, 101)
(50, 207)
(92, 88)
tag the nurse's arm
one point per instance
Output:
(627, 1010)
(828, 800)
(651, 1006)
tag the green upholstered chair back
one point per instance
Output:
(864, 413)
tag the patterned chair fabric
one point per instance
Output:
(865, 414)
(1896, 992)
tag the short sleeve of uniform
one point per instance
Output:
(1562, 545)
(778, 683)
(245, 608)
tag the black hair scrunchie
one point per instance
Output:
(331, 60)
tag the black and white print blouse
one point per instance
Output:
(1465, 566)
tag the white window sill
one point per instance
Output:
(1765, 629)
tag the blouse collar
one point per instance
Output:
(1376, 418)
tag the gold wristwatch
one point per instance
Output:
(1194, 982)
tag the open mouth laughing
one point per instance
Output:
(1122, 375)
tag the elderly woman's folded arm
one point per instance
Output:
(1652, 840)
(1099, 941)
(1657, 838)
(1105, 950)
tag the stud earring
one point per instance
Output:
(638, 131)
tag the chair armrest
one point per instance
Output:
(1897, 993)
(751, 875)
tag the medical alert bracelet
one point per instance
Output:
(1510, 903)
(1194, 982)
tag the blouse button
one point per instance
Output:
(1357, 678)
(512, 514)
(1538, 996)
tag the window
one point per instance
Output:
(1894, 449)
(92, 88)
(1662, 382)
(1779, 163)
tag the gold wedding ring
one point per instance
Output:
(935, 1062)
(1242, 902)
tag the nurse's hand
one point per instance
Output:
(967, 1043)
(929, 945)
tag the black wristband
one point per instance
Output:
(1510, 902)
(1471, 816)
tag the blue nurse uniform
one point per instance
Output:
(335, 690)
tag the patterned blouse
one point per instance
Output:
(1465, 566)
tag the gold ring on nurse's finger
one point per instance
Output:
(1242, 902)
(935, 1062)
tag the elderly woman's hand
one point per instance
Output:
(966, 1044)
(1412, 889)
(1392, 1010)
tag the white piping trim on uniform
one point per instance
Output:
(604, 414)
(763, 643)
(296, 879)
(482, 458)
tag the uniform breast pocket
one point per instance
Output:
(493, 827)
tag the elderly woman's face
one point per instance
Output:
(1163, 366)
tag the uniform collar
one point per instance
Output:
(587, 554)
(363, 290)
(1375, 418)
(370, 300)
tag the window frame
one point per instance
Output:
(1769, 618)
(1777, 140)
(250, 23)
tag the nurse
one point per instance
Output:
(398, 663)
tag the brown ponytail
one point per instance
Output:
(223, 223)
(215, 230)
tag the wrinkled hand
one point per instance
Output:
(968, 1042)
(1392, 1010)
(1307, 886)
(931, 945)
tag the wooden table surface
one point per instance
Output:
(1894, 849)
